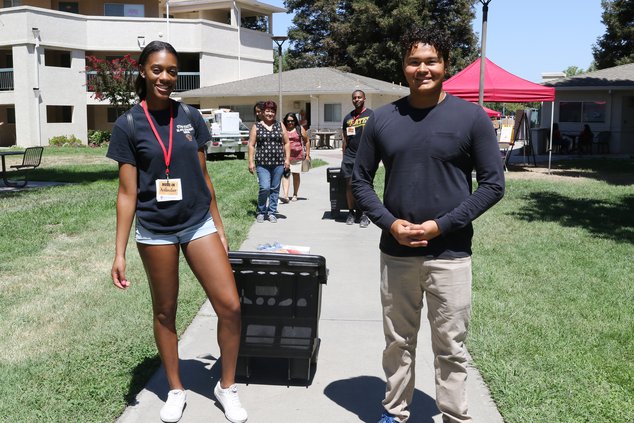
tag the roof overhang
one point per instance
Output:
(248, 7)
(595, 88)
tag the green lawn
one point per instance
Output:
(552, 330)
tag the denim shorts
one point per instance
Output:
(199, 230)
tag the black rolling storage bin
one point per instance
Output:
(338, 200)
(280, 297)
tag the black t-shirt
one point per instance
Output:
(144, 152)
(429, 155)
(358, 123)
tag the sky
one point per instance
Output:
(526, 37)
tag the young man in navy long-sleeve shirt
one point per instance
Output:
(429, 143)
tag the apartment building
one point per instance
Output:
(44, 44)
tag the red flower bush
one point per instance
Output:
(112, 80)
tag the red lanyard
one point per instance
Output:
(357, 117)
(167, 153)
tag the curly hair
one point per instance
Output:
(415, 35)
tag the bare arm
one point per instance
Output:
(306, 143)
(287, 148)
(344, 143)
(126, 208)
(252, 136)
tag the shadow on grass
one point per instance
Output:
(611, 220)
(140, 376)
(74, 174)
(223, 157)
(198, 375)
(611, 171)
(362, 396)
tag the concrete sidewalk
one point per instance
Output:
(348, 384)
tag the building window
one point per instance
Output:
(593, 111)
(112, 114)
(332, 112)
(68, 6)
(10, 114)
(120, 9)
(12, 3)
(582, 111)
(57, 58)
(59, 114)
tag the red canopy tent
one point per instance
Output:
(499, 86)
(491, 112)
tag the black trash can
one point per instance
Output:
(338, 199)
(280, 297)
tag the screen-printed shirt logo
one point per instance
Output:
(360, 122)
(187, 130)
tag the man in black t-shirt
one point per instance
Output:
(429, 143)
(353, 125)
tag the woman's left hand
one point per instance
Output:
(287, 163)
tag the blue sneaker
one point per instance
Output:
(387, 418)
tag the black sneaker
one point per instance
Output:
(350, 219)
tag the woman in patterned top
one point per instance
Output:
(269, 148)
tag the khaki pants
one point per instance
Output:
(447, 287)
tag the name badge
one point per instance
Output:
(169, 190)
(351, 130)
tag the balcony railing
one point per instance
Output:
(6, 79)
(186, 80)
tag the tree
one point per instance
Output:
(113, 80)
(257, 23)
(362, 36)
(616, 46)
(573, 70)
(314, 35)
(276, 61)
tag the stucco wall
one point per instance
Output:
(226, 53)
(621, 139)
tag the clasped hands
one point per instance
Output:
(414, 234)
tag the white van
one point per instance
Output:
(228, 134)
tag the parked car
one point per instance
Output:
(228, 134)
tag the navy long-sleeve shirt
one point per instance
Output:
(429, 155)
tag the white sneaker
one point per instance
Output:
(230, 402)
(173, 408)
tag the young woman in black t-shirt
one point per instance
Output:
(163, 180)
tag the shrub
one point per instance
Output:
(65, 141)
(113, 80)
(97, 138)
